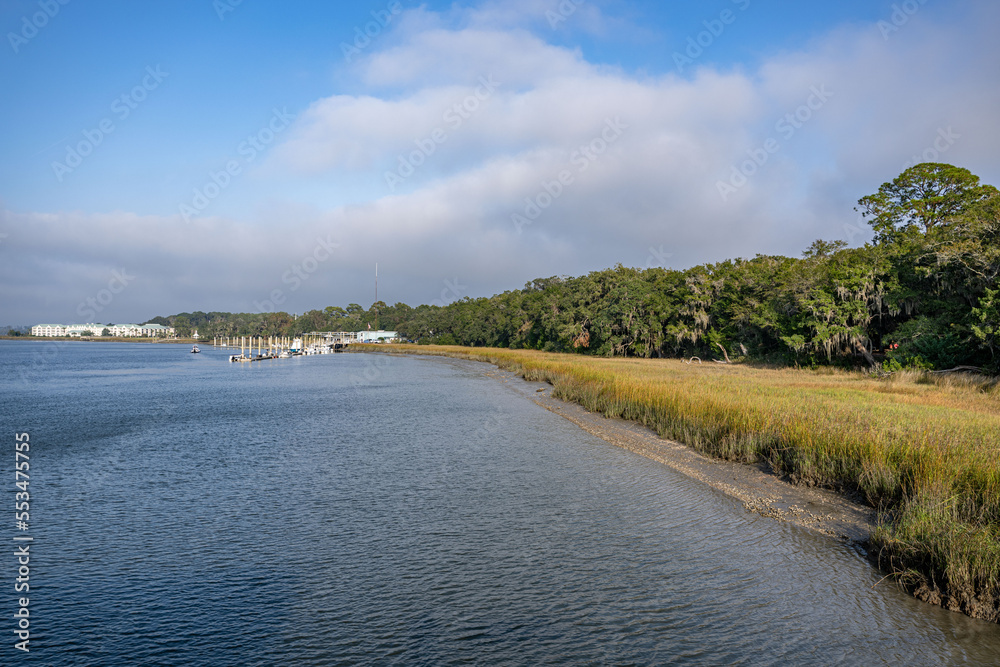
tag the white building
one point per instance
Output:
(140, 330)
(77, 330)
(123, 330)
(379, 336)
(48, 330)
(156, 330)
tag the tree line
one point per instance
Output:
(922, 294)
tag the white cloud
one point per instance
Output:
(654, 186)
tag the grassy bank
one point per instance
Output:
(924, 451)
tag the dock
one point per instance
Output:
(316, 342)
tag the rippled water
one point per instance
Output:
(351, 508)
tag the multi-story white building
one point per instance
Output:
(122, 330)
(79, 329)
(48, 330)
(158, 330)
(132, 330)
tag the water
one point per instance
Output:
(348, 509)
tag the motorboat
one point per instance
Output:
(195, 350)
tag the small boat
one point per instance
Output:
(195, 350)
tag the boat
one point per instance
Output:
(195, 350)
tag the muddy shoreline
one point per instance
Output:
(819, 510)
(759, 490)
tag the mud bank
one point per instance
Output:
(819, 510)
(761, 491)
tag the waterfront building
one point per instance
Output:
(156, 330)
(48, 330)
(379, 336)
(122, 330)
(140, 330)
(77, 330)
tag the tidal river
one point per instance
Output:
(366, 509)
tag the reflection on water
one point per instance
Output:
(347, 509)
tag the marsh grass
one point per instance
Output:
(923, 450)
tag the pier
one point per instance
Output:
(283, 347)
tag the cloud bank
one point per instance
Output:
(492, 156)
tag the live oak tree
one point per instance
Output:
(922, 198)
(938, 226)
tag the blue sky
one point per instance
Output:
(231, 156)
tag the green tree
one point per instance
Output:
(939, 229)
(921, 198)
(182, 325)
(987, 321)
(820, 248)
